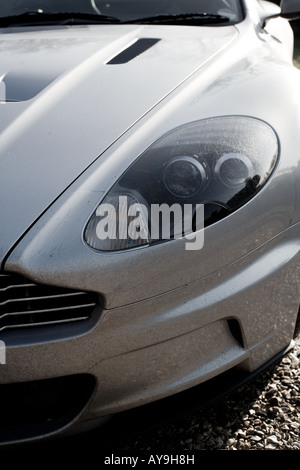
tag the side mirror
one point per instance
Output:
(290, 9)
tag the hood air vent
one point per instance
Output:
(133, 51)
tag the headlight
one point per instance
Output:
(220, 163)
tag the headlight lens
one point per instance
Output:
(234, 169)
(219, 162)
(184, 176)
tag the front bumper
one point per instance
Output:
(238, 318)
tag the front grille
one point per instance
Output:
(26, 304)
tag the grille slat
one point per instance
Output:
(47, 310)
(44, 297)
(4, 289)
(25, 304)
(43, 323)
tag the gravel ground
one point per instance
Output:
(262, 415)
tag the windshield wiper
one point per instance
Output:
(37, 18)
(195, 19)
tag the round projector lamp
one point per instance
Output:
(233, 169)
(184, 176)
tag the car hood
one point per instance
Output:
(68, 93)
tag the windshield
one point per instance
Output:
(124, 10)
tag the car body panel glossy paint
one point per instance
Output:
(164, 310)
(206, 93)
(85, 105)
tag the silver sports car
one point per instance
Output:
(149, 203)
